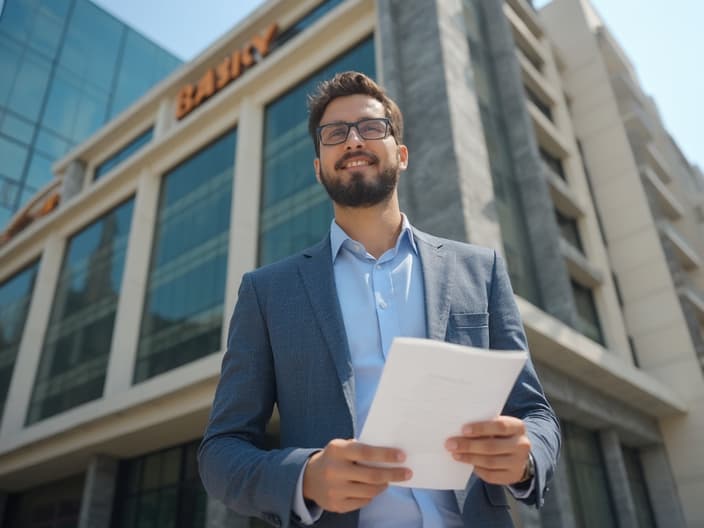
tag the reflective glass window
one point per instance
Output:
(639, 490)
(30, 85)
(74, 109)
(10, 56)
(15, 296)
(295, 210)
(124, 153)
(51, 144)
(53, 505)
(91, 45)
(13, 156)
(307, 20)
(17, 18)
(39, 172)
(569, 230)
(161, 490)
(77, 342)
(47, 26)
(587, 314)
(589, 486)
(183, 309)
(142, 65)
(17, 128)
(9, 190)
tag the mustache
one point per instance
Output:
(372, 158)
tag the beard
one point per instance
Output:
(361, 191)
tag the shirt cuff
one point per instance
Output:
(307, 513)
(524, 489)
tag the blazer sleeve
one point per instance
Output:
(527, 400)
(234, 466)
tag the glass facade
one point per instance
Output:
(183, 309)
(124, 153)
(569, 230)
(519, 256)
(15, 296)
(161, 490)
(76, 347)
(67, 67)
(639, 491)
(54, 505)
(590, 492)
(295, 209)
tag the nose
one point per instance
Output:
(354, 139)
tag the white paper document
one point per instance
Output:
(427, 392)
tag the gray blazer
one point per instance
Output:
(287, 346)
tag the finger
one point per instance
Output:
(358, 452)
(489, 445)
(374, 475)
(500, 426)
(492, 462)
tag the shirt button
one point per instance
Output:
(378, 266)
(382, 305)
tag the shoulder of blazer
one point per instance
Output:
(460, 248)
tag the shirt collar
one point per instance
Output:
(338, 236)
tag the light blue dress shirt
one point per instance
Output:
(381, 299)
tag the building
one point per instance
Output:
(527, 131)
(67, 67)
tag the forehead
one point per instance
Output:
(351, 108)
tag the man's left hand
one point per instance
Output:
(498, 449)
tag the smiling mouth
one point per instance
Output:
(354, 162)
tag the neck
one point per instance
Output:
(376, 227)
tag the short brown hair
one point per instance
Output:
(350, 83)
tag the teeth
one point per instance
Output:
(357, 163)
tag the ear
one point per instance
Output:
(402, 157)
(316, 166)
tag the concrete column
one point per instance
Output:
(244, 213)
(662, 488)
(558, 510)
(134, 282)
(29, 353)
(74, 180)
(618, 479)
(165, 118)
(425, 65)
(98, 493)
(217, 515)
(538, 209)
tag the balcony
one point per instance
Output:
(626, 88)
(638, 123)
(579, 266)
(534, 80)
(562, 195)
(657, 162)
(687, 256)
(527, 14)
(695, 299)
(615, 58)
(524, 38)
(549, 137)
(670, 205)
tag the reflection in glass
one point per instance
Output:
(183, 310)
(587, 314)
(295, 210)
(161, 490)
(124, 153)
(15, 296)
(77, 342)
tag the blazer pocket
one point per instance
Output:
(469, 320)
(469, 329)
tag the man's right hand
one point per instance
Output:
(338, 480)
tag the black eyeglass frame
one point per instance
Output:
(355, 124)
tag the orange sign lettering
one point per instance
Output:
(230, 68)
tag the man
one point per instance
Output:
(310, 334)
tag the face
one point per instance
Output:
(359, 172)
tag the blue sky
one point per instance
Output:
(663, 38)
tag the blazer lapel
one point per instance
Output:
(316, 270)
(437, 283)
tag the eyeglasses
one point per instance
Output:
(368, 128)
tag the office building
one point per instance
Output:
(67, 67)
(528, 132)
